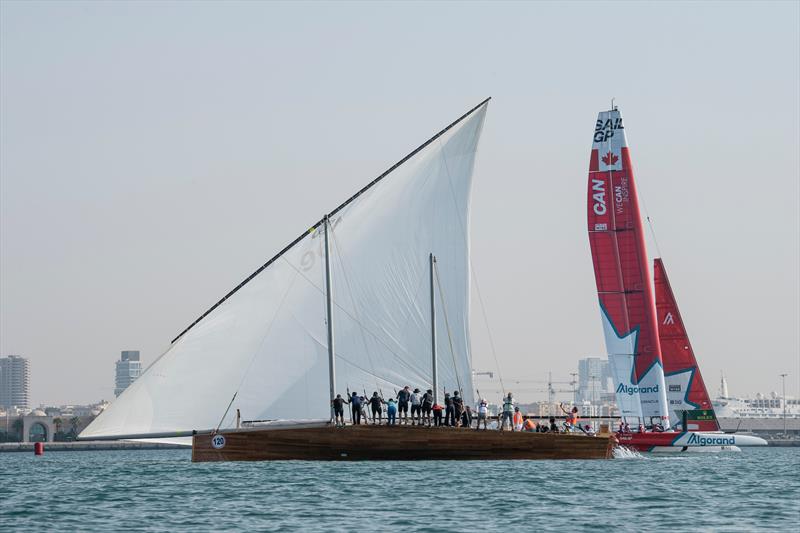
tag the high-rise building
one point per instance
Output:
(128, 369)
(594, 379)
(14, 382)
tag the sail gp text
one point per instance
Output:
(605, 130)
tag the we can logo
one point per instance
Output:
(668, 319)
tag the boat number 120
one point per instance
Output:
(218, 442)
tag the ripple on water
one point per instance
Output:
(163, 491)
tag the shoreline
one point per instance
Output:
(80, 446)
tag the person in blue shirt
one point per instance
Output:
(391, 412)
(355, 406)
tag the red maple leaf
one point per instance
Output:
(610, 159)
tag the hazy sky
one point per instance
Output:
(154, 154)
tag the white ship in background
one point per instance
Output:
(762, 406)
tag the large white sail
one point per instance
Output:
(266, 341)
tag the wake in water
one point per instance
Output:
(621, 452)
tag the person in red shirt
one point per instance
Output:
(437, 414)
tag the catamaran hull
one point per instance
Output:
(695, 449)
(687, 441)
(393, 443)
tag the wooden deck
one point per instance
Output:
(368, 442)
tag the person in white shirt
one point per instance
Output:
(416, 407)
(508, 412)
(483, 413)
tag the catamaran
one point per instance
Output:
(657, 380)
(353, 303)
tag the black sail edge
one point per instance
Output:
(339, 208)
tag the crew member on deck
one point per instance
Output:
(338, 410)
(416, 407)
(391, 412)
(437, 414)
(572, 418)
(427, 404)
(508, 412)
(458, 408)
(364, 408)
(375, 403)
(517, 419)
(449, 412)
(355, 406)
(403, 398)
(483, 414)
(466, 417)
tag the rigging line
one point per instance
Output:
(344, 358)
(642, 196)
(364, 370)
(341, 206)
(221, 420)
(653, 233)
(423, 273)
(352, 299)
(474, 271)
(447, 326)
(359, 367)
(345, 311)
(488, 329)
(260, 344)
(420, 283)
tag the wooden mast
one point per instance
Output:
(433, 331)
(329, 314)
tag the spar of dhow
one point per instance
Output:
(375, 295)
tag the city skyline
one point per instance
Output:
(14, 382)
(529, 394)
(127, 369)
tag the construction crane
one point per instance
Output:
(549, 386)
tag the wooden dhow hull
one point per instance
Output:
(366, 442)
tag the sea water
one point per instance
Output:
(162, 490)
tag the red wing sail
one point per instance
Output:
(621, 272)
(689, 403)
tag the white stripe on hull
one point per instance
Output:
(695, 449)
